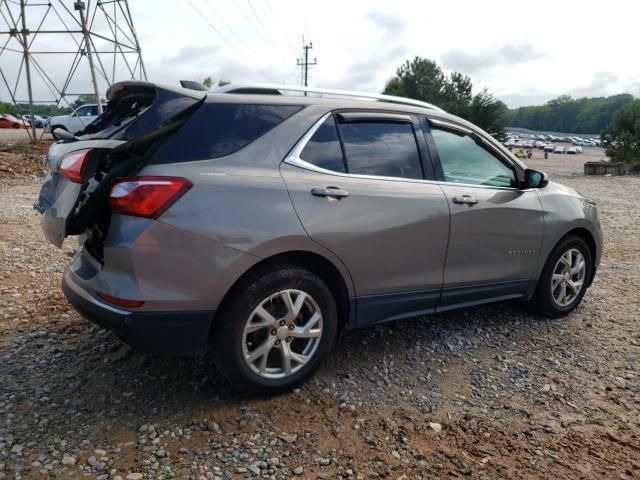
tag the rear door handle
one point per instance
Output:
(332, 192)
(465, 200)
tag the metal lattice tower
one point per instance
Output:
(51, 50)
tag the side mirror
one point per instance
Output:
(64, 134)
(535, 179)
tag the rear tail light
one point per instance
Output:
(74, 164)
(147, 197)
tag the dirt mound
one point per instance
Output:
(22, 159)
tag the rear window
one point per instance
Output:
(218, 129)
(386, 149)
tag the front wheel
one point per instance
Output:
(565, 278)
(275, 331)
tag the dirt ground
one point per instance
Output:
(487, 392)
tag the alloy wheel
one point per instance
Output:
(282, 334)
(568, 277)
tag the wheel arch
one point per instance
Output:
(315, 263)
(590, 240)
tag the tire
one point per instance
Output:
(545, 298)
(270, 287)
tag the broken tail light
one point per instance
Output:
(147, 197)
(74, 164)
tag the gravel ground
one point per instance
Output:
(488, 392)
(11, 135)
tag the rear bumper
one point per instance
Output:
(150, 332)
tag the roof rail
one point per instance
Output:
(278, 89)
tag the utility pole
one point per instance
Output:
(79, 6)
(27, 66)
(304, 62)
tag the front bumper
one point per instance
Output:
(150, 332)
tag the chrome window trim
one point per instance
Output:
(294, 159)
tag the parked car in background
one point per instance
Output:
(75, 122)
(38, 121)
(578, 149)
(259, 223)
(572, 150)
(11, 121)
(549, 147)
(558, 149)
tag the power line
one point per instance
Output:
(261, 24)
(248, 21)
(284, 35)
(219, 17)
(213, 27)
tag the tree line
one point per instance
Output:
(38, 109)
(622, 137)
(422, 79)
(567, 114)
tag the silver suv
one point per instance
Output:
(261, 222)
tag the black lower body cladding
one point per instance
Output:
(176, 333)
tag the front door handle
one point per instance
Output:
(331, 192)
(465, 200)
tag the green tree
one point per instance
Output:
(83, 99)
(566, 114)
(424, 80)
(622, 137)
(209, 82)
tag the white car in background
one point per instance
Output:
(572, 150)
(558, 149)
(73, 123)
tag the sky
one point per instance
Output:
(523, 52)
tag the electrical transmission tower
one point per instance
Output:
(51, 50)
(304, 63)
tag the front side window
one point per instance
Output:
(87, 111)
(464, 161)
(323, 150)
(387, 149)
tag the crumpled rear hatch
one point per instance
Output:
(83, 170)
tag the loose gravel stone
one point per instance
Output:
(515, 395)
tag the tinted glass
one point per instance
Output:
(323, 150)
(218, 129)
(464, 161)
(381, 148)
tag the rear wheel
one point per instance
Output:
(565, 278)
(276, 330)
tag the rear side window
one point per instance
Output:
(323, 150)
(381, 148)
(219, 129)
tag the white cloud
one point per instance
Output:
(519, 52)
